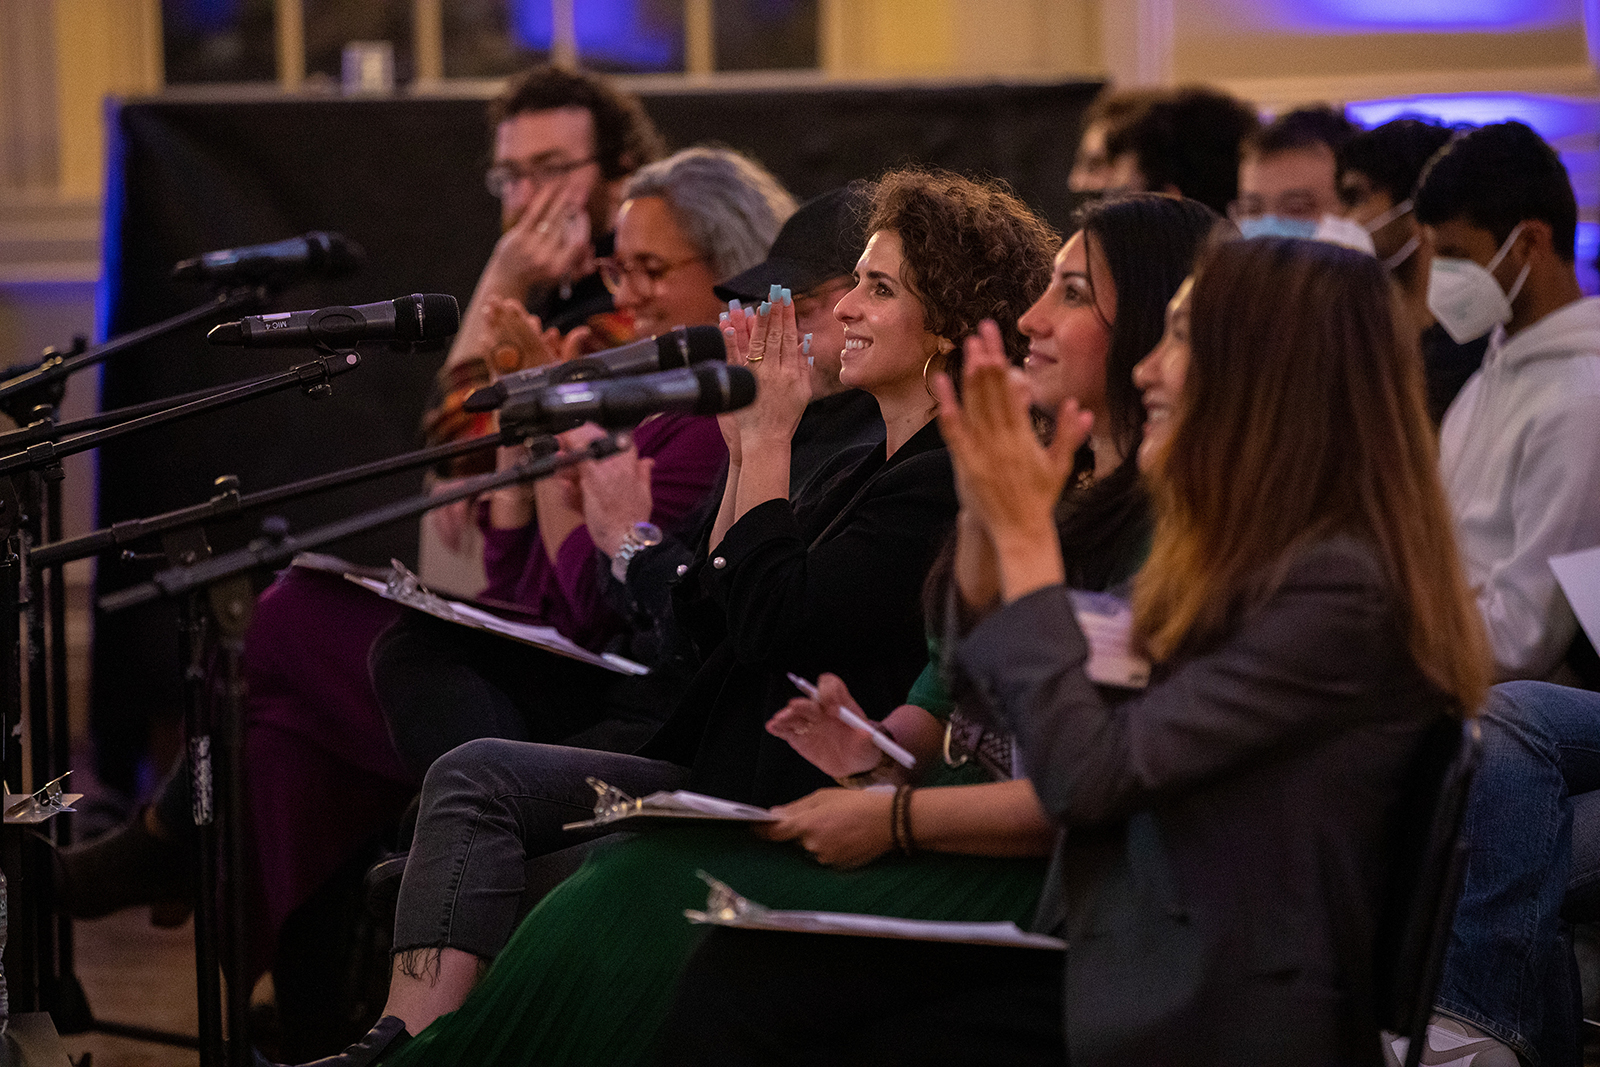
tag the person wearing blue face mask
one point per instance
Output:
(1378, 172)
(1287, 176)
(1520, 445)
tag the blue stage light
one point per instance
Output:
(1464, 16)
(1555, 118)
(619, 31)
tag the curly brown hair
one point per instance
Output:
(971, 251)
(624, 137)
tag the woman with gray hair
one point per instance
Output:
(687, 222)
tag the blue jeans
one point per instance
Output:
(1509, 969)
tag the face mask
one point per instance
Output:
(1278, 226)
(1347, 233)
(1466, 298)
(1402, 253)
(1332, 229)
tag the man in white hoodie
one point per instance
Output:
(1520, 458)
(1520, 445)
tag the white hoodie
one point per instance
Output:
(1520, 456)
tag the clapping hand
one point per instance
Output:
(768, 343)
(616, 495)
(1008, 482)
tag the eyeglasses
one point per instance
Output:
(503, 175)
(646, 277)
(1294, 204)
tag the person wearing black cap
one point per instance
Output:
(814, 256)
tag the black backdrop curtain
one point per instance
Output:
(403, 177)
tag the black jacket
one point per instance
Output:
(831, 584)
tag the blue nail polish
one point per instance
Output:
(723, 317)
(765, 307)
(811, 361)
(805, 346)
(734, 305)
(774, 293)
(787, 298)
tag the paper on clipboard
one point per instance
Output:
(725, 907)
(613, 805)
(403, 587)
(1578, 574)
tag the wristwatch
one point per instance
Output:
(640, 536)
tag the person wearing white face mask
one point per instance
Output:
(1520, 446)
(1378, 171)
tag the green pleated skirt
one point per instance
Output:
(590, 974)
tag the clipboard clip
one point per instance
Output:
(407, 588)
(724, 903)
(611, 803)
(48, 800)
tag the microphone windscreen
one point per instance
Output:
(426, 317)
(695, 344)
(723, 388)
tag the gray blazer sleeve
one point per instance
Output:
(1299, 666)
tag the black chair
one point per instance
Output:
(1428, 861)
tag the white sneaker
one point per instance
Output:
(1452, 1043)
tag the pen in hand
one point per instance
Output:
(850, 718)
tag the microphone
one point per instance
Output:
(664, 351)
(418, 317)
(317, 254)
(618, 403)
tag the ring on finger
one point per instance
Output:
(802, 728)
(754, 359)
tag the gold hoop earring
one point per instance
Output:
(926, 384)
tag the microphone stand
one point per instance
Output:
(269, 552)
(51, 952)
(56, 367)
(30, 512)
(199, 720)
(230, 501)
(311, 377)
(219, 599)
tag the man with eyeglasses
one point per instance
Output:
(1287, 174)
(565, 143)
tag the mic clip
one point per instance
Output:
(314, 376)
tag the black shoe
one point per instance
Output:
(386, 1035)
(128, 867)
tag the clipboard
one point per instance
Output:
(725, 907)
(612, 805)
(398, 584)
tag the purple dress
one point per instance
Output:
(321, 775)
